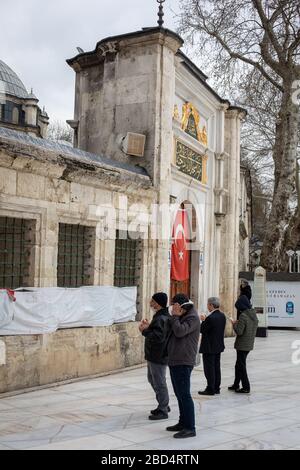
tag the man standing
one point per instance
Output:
(155, 335)
(182, 351)
(212, 345)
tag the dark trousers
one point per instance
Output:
(241, 370)
(181, 381)
(212, 371)
(157, 380)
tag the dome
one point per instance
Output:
(10, 83)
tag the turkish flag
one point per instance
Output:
(180, 255)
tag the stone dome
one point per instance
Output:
(10, 84)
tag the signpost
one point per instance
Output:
(260, 301)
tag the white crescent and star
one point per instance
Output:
(180, 229)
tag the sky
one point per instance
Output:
(38, 36)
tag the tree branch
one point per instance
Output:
(265, 52)
(267, 24)
(236, 55)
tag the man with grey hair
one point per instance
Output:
(212, 345)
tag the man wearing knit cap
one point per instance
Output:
(156, 334)
(182, 352)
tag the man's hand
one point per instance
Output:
(202, 316)
(143, 325)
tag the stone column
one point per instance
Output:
(230, 233)
(31, 110)
(163, 146)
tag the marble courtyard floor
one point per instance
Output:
(111, 412)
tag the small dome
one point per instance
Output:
(10, 84)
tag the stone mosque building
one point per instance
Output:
(19, 109)
(146, 126)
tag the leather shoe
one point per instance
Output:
(242, 390)
(158, 416)
(184, 434)
(205, 392)
(233, 388)
(176, 427)
(157, 410)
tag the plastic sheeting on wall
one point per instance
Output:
(44, 310)
(6, 310)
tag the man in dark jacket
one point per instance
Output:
(182, 351)
(156, 334)
(245, 329)
(212, 345)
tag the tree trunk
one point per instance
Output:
(278, 233)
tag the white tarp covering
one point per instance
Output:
(6, 310)
(44, 310)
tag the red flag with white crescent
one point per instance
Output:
(180, 256)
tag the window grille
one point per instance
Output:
(75, 260)
(17, 240)
(127, 261)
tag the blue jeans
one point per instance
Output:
(181, 381)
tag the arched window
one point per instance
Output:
(23, 118)
(7, 111)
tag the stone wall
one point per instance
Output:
(49, 188)
(36, 360)
(38, 187)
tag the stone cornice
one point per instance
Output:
(236, 112)
(112, 45)
(30, 159)
(26, 128)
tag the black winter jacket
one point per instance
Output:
(156, 337)
(212, 329)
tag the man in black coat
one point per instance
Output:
(156, 334)
(212, 345)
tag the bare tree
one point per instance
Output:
(58, 130)
(259, 41)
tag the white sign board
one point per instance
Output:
(283, 303)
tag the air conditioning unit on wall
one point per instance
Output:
(134, 144)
